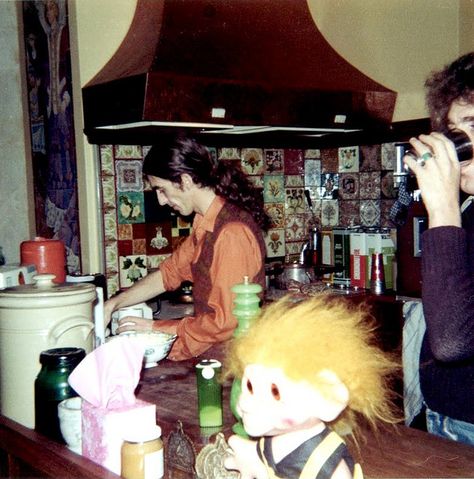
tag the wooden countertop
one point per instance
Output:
(400, 452)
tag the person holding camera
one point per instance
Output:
(447, 353)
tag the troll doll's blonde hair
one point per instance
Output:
(316, 334)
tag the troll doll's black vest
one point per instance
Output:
(202, 283)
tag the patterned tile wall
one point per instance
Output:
(347, 186)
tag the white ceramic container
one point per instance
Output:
(34, 318)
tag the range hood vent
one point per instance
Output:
(229, 67)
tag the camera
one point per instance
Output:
(461, 142)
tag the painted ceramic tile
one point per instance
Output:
(131, 207)
(111, 257)
(369, 188)
(370, 212)
(349, 213)
(329, 213)
(138, 230)
(125, 232)
(108, 192)
(275, 242)
(387, 187)
(145, 150)
(112, 283)
(369, 158)
(129, 175)
(110, 225)
(389, 156)
(273, 189)
(294, 180)
(273, 161)
(294, 162)
(294, 201)
(158, 238)
(293, 249)
(125, 247)
(252, 161)
(295, 228)
(256, 181)
(312, 172)
(153, 261)
(349, 186)
(348, 159)
(329, 160)
(132, 269)
(128, 151)
(313, 154)
(276, 212)
(228, 153)
(329, 186)
(385, 207)
(106, 161)
(139, 246)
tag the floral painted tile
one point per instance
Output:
(158, 238)
(256, 181)
(329, 213)
(108, 192)
(295, 228)
(370, 158)
(110, 224)
(294, 162)
(228, 153)
(276, 212)
(113, 285)
(312, 172)
(349, 186)
(293, 249)
(387, 187)
(385, 207)
(349, 213)
(132, 269)
(252, 161)
(145, 150)
(153, 261)
(139, 246)
(106, 160)
(313, 154)
(369, 188)
(111, 257)
(388, 156)
(273, 189)
(329, 159)
(348, 159)
(128, 151)
(294, 201)
(275, 242)
(370, 212)
(274, 163)
(129, 175)
(294, 180)
(329, 186)
(131, 207)
(125, 232)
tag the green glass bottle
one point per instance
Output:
(51, 387)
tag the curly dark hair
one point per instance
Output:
(176, 155)
(454, 82)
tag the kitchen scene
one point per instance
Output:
(237, 232)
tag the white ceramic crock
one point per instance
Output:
(34, 318)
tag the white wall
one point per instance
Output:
(16, 193)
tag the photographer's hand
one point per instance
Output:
(438, 178)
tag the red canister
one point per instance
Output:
(48, 255)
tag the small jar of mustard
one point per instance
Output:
(142, 454)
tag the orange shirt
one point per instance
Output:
(236, 254)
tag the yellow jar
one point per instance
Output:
(142, 455)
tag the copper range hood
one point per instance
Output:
(231, 67)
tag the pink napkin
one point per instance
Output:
(107, 377)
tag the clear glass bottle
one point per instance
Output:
(142, 454)
(51, 387)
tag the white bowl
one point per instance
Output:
(157, 345)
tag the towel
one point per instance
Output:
(413, 332)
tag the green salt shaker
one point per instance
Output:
(209, 390)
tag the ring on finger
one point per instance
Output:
(424, 158)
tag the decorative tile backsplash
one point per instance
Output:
(347, 186)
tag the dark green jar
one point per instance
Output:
(51, 387)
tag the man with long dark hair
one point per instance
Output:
(226, 244)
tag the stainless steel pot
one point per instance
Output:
(294, 272)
